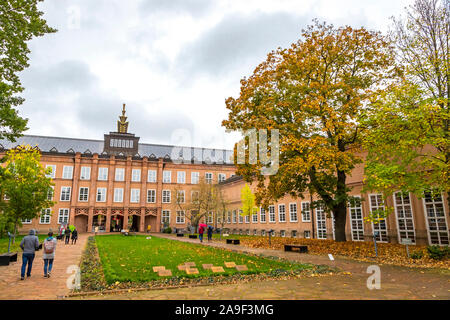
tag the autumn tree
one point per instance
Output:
(313, 93)
(20, 21)
(248, 202)
(25, 186)
(408, 141)
(222, 205)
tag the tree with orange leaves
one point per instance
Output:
(314, 93)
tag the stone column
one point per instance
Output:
(142, 221)
(74, 196)
(108, 219)
(90, 219)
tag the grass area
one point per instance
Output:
(131, 259)
(15, 247)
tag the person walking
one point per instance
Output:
(210, 232)
(29, 245)
(67, 234)
(49, 254)
(201, 230)
(74, 236)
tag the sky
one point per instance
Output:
(173, 62)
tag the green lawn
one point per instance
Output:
(15, 247)
(133, 258)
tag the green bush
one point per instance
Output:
(416, 255)
(168, 230)
(438, 253)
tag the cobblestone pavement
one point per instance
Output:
(38, 287)
(396, 282)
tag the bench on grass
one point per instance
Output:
(192, 236)
(290, 247)
(233, 241)
(180, 234)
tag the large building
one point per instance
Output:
(119, 183)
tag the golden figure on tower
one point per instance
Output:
(122, 124)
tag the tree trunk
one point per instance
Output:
(340, 217)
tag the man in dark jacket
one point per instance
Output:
(67, 234)
(29, 245)
(74, 236)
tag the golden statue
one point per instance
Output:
(122, 124)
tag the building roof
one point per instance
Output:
(87, 146)
(232, 179)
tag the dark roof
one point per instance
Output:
(87, 146)
(232, 179)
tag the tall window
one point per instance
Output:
(194, 196)
(102, 174)
(222, 177)
(85, 173)
(118, 194)
(165, 217)
(241, 218)
(180, 196)
(181, 177)
(356, 220)
(247, 219)
(229, 217)
(167, 176)
(262, 215)
(45, 216)
(50, 193)
(136, 175)
(436, 219)
(380, 228)
(282, 213)
(67, 172)
(321, 222)
(120, 174)
(53, 173)
(26, 221)
(135, 193)
(306, 212)
(271, 213)
(166, 196)
(151, 176)
(195, 176)
(293, 212)
(210, 217)
(255, 217)
(405, 220)
(234, 216)
(208, 177)
(65, 194)
(101, 194)
(84, 194)
(151, 195)
(180, 217)
(63, 216)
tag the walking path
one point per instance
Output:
(396, 282)
(38, 287)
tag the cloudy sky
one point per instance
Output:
(173, 62)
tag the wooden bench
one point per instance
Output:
(180, 234)
(233, 241)
(301, 249)
(192, 236)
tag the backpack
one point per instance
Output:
(49, 247)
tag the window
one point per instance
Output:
(255, 217)
(356, 219)
(151, 176)
(263, 233)
(255, 232)
(118, 194)
(234, 216)
(222, 177)
(165, 217)
(85, 173)
(247, 219)
(181, 177)
(282, 233)
(45, 216)
(26, 221)
(50, 193)
(194, 196)
(241, 218)
(229, 217)
(180, 217)
(271, 213)
(282, 213)
(102, 174)
(167, 176)
(195, 177)
(210, 217)
(306, 212)
(53, 173)
(136, 175)
(262, 215)
(135, 193)
(180, 196)
(101, 194)
(403, 211)
(84, 194)
(166, 196)
(65, 194)
(435, 219)
(294, 233)
(321, 222)
(151, 196)
(67, 172)
(307, 234)
(63, 216)
(293, 212)
(208, 177)
(380, 228)
(120, 174)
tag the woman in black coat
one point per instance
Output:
(74, 236)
